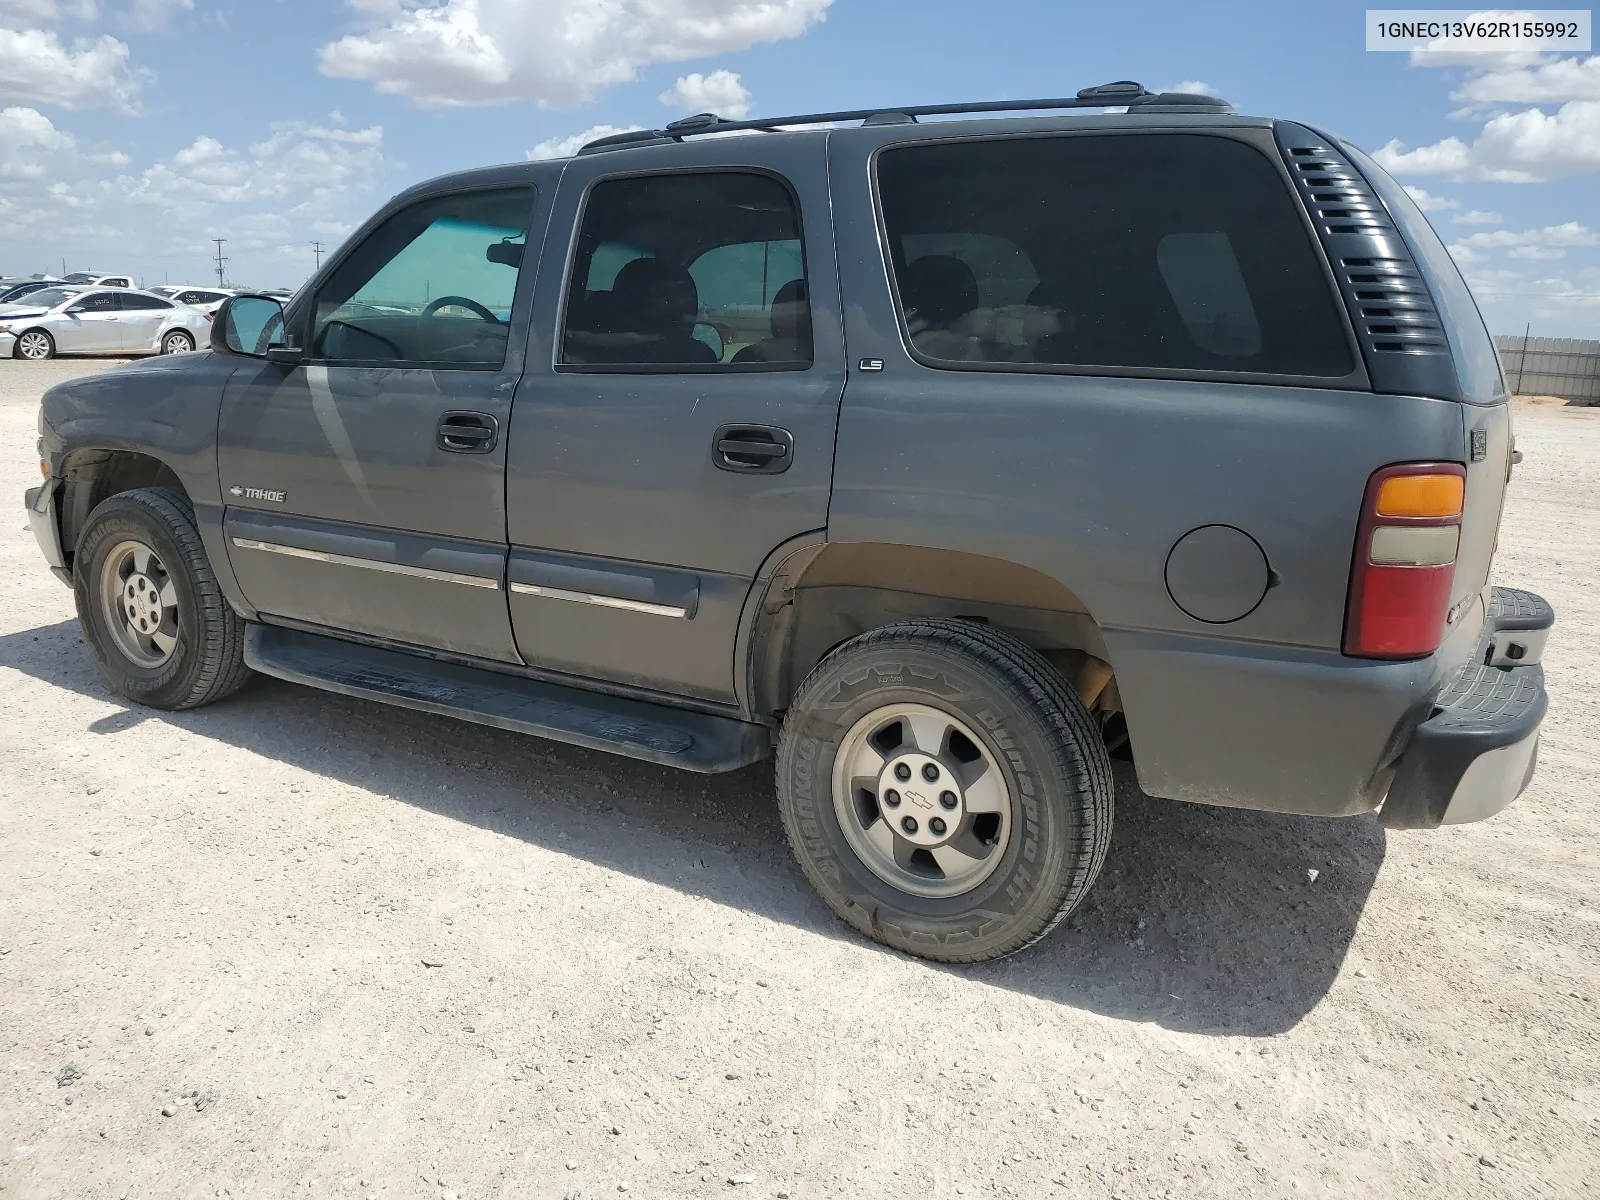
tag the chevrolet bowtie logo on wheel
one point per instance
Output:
(918, 799)
(250, 493)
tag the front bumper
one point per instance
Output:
(1476, 753)
(8, 345)
(41, 505)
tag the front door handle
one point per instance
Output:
(752, 449)
(463, 432)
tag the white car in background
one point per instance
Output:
(206, 299)
(92, 320)
(90, 279)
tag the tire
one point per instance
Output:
(177, 341)
(28, 339)
(1020, 726)
(160, 629)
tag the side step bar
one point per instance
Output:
(635, 728)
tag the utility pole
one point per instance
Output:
(220, 260)
(316, 249)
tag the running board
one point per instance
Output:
(635, 728)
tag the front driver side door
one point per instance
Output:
(365, 487)
(91, 326)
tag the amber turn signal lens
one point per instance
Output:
(1421, 496)
(44, 469)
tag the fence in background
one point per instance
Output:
(1540, 366)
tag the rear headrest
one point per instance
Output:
(656, 297)
(939, 289)
(791, 312)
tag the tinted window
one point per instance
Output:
(101, 303)
(117, 282)
(134, 301)
(433, 284)
(1167, 251)
(689, 270)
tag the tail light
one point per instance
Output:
(210, 316)
(1405, 560)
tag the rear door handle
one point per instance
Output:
(462, 432)
(752, 449)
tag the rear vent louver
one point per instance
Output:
(1390, 306)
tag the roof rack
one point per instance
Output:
(1106, 95)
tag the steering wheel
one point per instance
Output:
(471, 306)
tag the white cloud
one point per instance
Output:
(28, 14)
(450, 53)
(1546, 244)
(720, 92)
(35, 67)
(1449, 156)
(148, 16)
(1522, 147)
(1428, 202)
(1192, 86)
(1542, 83)
(1477, 216)
(60, 196)
(562, 147)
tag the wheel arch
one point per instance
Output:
(91, 475)
(822, 594)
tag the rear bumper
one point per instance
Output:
(1476, 752)
(41, 505)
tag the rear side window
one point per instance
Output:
(689, 271)
(1174, 252)
(136, 303)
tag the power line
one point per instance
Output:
(220, 260)
(316, 249)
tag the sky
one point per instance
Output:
(132, 132)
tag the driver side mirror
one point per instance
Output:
(251, 325)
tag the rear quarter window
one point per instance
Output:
(1176, 253)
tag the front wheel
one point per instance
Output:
(177, 342)
(152, 612)
(944, 790)
(35, 344)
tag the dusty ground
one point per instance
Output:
(224, 916)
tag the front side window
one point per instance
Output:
(694, 271)
(433, 285)
(101, 303)
(1178, 252)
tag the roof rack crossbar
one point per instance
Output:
(1107, 95)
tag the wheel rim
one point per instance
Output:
(921, 800)
(34, 345)
(140, 604)
(176, 343)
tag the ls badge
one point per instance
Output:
(249, 493)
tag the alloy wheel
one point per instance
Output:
(34, 345)
(921, 800)
(140, 603)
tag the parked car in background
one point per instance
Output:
(93, 320)
(206, 299)
(89, 277)
(12, 290)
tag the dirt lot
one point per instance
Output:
(214, 928)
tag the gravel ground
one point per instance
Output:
(299, 945)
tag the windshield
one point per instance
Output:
(50, 297)
(77, 277)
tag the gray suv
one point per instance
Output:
(945, 459)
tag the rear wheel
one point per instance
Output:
(35, 344)
(944, 790)
(152, 613)
(177, 342)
